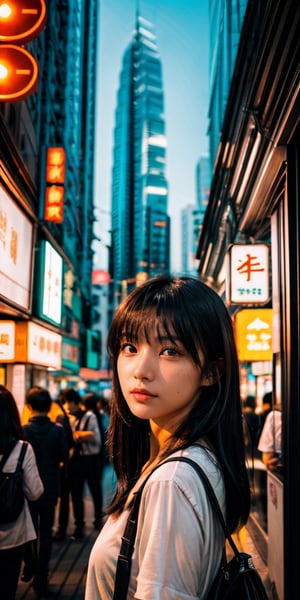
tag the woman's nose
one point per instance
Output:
(144, 367)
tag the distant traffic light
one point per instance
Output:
(20, 22)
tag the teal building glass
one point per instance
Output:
(226, 21)
(140, 223)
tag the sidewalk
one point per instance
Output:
(70, 558)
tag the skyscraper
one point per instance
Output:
(140, 223)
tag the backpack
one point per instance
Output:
(11, 489)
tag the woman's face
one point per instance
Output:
(158, 379)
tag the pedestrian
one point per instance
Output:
(90, 402)
(84, 462)
(104, 409)
(50, 446)
(252, 427)
(14, 536)
(267, 402)
(175, 393)
(64, 488)
(270, 441)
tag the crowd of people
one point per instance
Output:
(62, 454)
(176, 394)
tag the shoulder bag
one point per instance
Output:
(237, 579)
(11, 489)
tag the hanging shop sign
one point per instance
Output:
(18, 73)
(7, 341)
(70, 355)
(50, 293)
(16, 250)
(55, 179)
(92, 349)
(54, 203)
(248, 274)
(253, 330)
(100, 277)
(37, 345)
(19, 24)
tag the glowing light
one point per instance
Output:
(3, 71)
(5, 11)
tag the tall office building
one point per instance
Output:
(226, 21)
(191, 222)
(192, 217)
(140, 223)
(203, 181)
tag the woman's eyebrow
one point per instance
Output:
(167, 338)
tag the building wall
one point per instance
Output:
(255, 198)
(59, 113)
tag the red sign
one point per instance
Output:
(100, 277)
(18, 73)
(54, 204)
(248, 279)
(55, 165)
(21, 21)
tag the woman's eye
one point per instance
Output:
(128, 348)
(170, 352)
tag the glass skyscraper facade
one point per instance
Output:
(140, 223)
(226, 21)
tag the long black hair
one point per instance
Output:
(197, 316)
(10, 422)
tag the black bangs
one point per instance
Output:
(158, 309)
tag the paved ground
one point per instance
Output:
(70, 558)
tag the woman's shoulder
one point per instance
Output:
(15, 453)
(179, 479)
(184, 474)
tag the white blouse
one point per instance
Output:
(179, 540)
(22, 530)
(270, 438)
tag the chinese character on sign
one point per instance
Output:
(3, 228)
(55, 165)
(14, 245)
(248, 281)
(54, 204)
(249, 266)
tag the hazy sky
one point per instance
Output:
(183, 41)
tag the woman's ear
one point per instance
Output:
(213, 372)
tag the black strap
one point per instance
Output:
(127, 543)
(77, 426)
(7, 454)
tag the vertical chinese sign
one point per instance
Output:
(55, 178)
(248, 280)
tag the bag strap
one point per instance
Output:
(7, 454)
(22, 455)
(127, 543)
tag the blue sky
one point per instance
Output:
(183, 41)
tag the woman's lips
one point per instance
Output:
(141, 395)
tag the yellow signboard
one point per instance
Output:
(253, 330)
(37, 345)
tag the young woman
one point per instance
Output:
(175, 393)
(13, 536)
